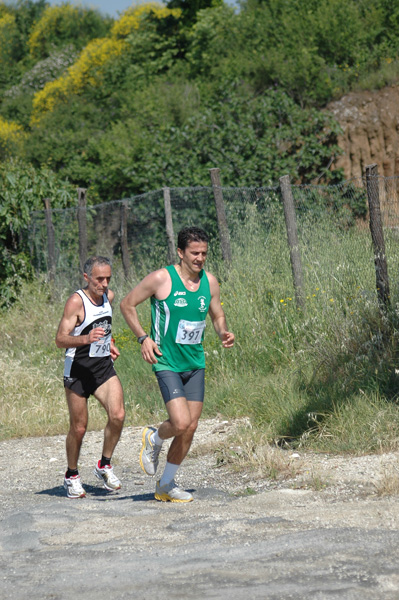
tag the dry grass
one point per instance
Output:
(388, 484)
(313, 479)
(247, 449)
(32, 400)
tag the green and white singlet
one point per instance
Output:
(178, 325)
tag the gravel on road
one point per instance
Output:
(322, 532)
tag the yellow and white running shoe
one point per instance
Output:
(149, 453)
(170, 492)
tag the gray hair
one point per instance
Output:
(95, 260)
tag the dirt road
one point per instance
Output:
(242, 537)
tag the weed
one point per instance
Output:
(320, 378)
(388, 484)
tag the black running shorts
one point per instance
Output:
(87, 382)
(189, 385)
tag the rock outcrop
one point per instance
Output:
(370, 124)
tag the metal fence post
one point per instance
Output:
(221, 215)
(292, 234)
(377, 235)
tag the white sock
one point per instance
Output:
(169, 473)
(155, 439)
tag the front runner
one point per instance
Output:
(181, 296)
(85, 332)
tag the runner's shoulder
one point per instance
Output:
(74, 303)
(158, 277)
(213, 282)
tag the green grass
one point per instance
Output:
(323, 378)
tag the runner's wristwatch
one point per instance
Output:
(142, 338)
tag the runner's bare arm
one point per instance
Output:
(149, 286)
(73, 314)
(217, 315)
(113, 349)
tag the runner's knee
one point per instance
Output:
(193, 427)
(117, 417)
(181, 425)
(78, 431)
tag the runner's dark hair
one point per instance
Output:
(191, 234)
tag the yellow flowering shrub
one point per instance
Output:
(85, 71)
(8, 35)
(133, 16)
(6, 23)
(52, 21)
(12, 136)
(44, 100)
(88, 69)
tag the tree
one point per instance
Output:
(190, 8)
(63, 25)
(252, 139)
(22, 189)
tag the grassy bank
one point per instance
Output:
(323, 378)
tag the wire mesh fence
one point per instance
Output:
(335, 244)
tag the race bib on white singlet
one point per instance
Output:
(101, 347)
(189, 332)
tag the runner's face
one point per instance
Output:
(193, 256)
(98, 281)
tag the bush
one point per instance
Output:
(62, 25)
(22, 190)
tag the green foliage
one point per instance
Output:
(191, 8)
(249, 138)
(313, 50)
(16, 269)
(322, 378)
(22, 190)
(17, 102)
(27, 13)
(16, 21)
(63, 25)
(345, 204)
(151, 49)
(60, 140)
(239, 90)
(165, 92)
(8, 48)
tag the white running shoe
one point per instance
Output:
(170, 492)
(73, 486)
(149, 453)
(108, 477)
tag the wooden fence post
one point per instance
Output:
(169, 226)
(293, 243)
(377, 235)
(50, 239)
(82, 223)
(124, 244)
(221, 215)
